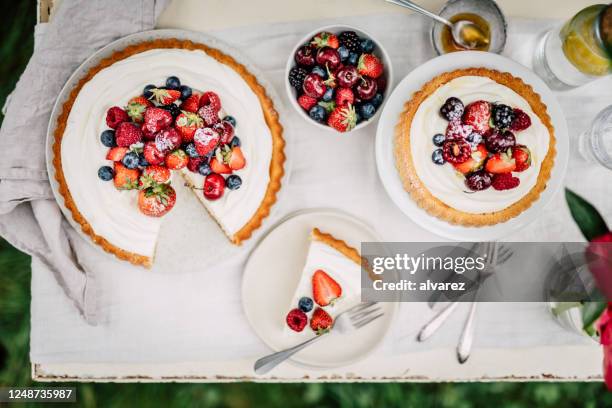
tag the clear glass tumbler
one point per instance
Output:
(578, 51)
(595, 144)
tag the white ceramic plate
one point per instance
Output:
(385, 160)
(272, 273)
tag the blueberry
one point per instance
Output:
(233, 182)
(131, 160)
(344, 53)
(173, 83)
(142, 162)
(318, 113)
(191, 150)
(329, 94)
(173, 109)
(367, 45)
(352, 58)
(366, 111)
(358, 117)
(377, 100)
(474, 139)
(437, 157)
(204, 169)
(108, 138)
(147, 91)
(319, 71)
(305, 304)
(230, 119)
(106, 173)
(235, 142)
(185, 92)
(438, 139)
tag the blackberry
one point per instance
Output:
(478, 181)
(296, 77)
(350, 40)
(452, 109)
(503, 115)
(173, 109)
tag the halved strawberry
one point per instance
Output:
(156, 173)
(474, 162)
(164, 96)
(321, 322)
(177, 160)
(325, 290)
(501, 163)
(325, 39)
(136, 108)
(187, 123)
(477, 114)
(116, 153)
(125, 179)
(157, 200)
(236, 160)
(192, 103)
(217, 166)
(522, 156)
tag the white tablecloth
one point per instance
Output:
(196, 315)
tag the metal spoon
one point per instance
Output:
(465, 33)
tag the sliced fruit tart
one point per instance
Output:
(475, 147)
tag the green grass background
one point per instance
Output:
(17, 25)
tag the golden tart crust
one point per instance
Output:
(419, 192)
(270, 115)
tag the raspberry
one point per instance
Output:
(115, 116)
(452, 109)
(209, 114)
(505, 181)
(456, 151)
(127, 134)
(296, 320)
(521, 120)
(456, 130)
(478, 181)
(503, 115)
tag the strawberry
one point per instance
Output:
(296, 320)
(115, 116)
(116, 153)
(155, 173)
(217, 166)
(369, 65)
(521, 120)
(136, 108)
(225, 130)
(205, 140)
(209, 114)
(177, 160)
(344, 97)
(522, 156)
(187, 123)
(192, 103)
(501, 163)
(325, 39)
(125, 179)
(325, 290)
(233, 157)
(210, 99)
(505, 181)
(321, 322)
(157, 200)
(474, 162)
(343, 118)
(152, 154)
(167, 140)
(155, 119)
(306, 102)
(164, 96)
(127, 134)
(477, 114)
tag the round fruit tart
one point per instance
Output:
(157, 108)
(475, 146)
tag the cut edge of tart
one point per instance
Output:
(276, 169)
(420, 193)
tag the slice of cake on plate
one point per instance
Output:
(153, 108)
(329, 284)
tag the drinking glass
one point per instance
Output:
(595, 144)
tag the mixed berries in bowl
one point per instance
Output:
(170, 127)
(480, 143)
(338, 78)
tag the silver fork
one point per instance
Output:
(346, 322)
(438, 320)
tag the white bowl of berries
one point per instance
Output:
(337, 78)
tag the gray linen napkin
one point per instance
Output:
(29, 216)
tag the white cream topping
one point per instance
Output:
(114, 214)
(340, 268)
(443, 181)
